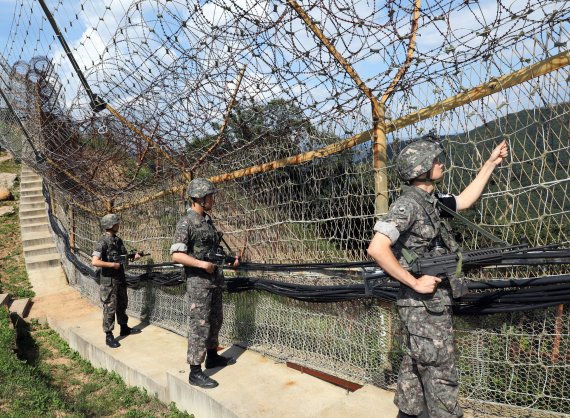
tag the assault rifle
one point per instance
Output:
(450, 267)
(125, 258)
(219, 257)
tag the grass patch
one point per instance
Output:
(13, 274)
(24, 391)
(9, 166)
(50, 379)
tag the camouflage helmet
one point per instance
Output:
(200, 187)
(417, 157)
(109, 220)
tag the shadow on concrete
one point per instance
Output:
(141, 326)
(234, 352)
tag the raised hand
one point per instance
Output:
(499, 153)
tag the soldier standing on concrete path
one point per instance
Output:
(412, 227)
(196, 237)
(108, 254)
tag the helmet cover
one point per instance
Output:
(109, 220)
(417, 157)
(200, 187)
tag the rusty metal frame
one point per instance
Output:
(493, 86)
(148, 140)
(378, 107)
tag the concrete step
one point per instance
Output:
(20, 307)
(42, 261)
(34, 228)
(33, 202)
(31, 183)
(27, 219)
(36, 238)
(40, 249)
(33, 198)
(29, 177)
(31, 186)
(36, 204)
(33, 191)
(27, 213)
(48, 281)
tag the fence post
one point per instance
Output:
(557, 334)
(380, 158)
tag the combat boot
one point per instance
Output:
(404, 415)
(213, 359)
(110, 340)
(126, 330)
(198, 378)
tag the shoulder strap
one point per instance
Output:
(426, 207)
(441, 228)
(410, 255)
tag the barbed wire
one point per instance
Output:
(295, 109)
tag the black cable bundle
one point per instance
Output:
(484, 297)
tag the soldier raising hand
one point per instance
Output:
(412, 228)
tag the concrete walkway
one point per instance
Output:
(255, 386)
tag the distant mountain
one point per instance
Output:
(531, 133)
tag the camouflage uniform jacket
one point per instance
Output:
(414, 222)
(110, 248)
(196, 236)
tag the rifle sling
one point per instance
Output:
(470, 224)
(409, 255)
(459, 267)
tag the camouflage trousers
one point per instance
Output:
(113, 295)
(428, 376)
(205, 318)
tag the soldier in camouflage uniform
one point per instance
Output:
(110, 255)
(194, 239)
(428, 380)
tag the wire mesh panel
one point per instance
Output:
(295, 110)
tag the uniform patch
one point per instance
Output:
(402, 210)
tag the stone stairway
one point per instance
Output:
(40, 251)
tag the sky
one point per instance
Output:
(104, 14)
(6, 16)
